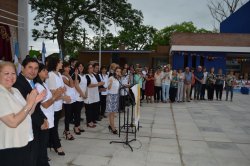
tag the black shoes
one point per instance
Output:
(111, 130)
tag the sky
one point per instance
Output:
(157, 13)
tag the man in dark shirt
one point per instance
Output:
(96, 74)
(199, 76)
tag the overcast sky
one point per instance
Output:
(157, 13)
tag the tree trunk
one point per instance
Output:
(61, 43)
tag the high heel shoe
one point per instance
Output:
(77, 133)
(111, 130)
(68, 136)
(59, 153)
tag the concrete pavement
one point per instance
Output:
(199, 133)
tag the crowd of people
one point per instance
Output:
(33, 101)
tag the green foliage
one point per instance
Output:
(162, 37)
(134, 38)
(35, 53)
(63, 19)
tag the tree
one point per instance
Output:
(222, 9)
(163, 36)
(63, 19)
(133, 38)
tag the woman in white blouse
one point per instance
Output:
(68, 107)
(16, 132)
(91, 102)
(112, 105)
(80, 84)
(104, 78)
(54, 82)
(47, 108)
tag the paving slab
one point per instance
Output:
(201, 133)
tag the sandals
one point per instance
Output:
(68, 135)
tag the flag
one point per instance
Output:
(16, 53)
(16, 61)
(137, 108)
(43, 53)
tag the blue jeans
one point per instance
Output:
(165, 92)
(197, 91)
(231, 90)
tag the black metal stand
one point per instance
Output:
(126, 124)
(127, 141)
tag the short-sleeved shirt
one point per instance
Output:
(220, 79)
(166, 78)
(104, 78)
(174, 82)
(12, 103)
(199, 75)
(55, 81)
(230, 80)
(188, 78)
(115, 86)
(92, 92)
(138, 79)
(48, 112)
(71, 92)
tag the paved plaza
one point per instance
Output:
(199, 133)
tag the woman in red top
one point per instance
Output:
(149, 87)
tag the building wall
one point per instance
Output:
(144, 59)
(23, 32)
(11, 6)
(239, 22)
(188, 59)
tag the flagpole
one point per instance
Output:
(100, 36)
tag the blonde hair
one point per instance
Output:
(5, 63)
(113, 66)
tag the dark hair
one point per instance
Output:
(26, 61)
(41, 67)
(52, 63)
(72, 60)
(103, 67)
(65, 64)
(95, 64)
(88, 67)
(38, 79)
(77, 65)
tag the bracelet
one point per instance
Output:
(26, 110)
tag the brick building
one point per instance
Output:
(217, 50)
(154, 58)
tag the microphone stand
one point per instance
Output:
(126, 119)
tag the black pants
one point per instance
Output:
(103, 104)
(97, 110)
(90, 112)
(210, 91)
(17, 156)
(172, 94)
(54, 140)
(219, 90)
(157, 93)
(43, 154)
(77, 108)
(68, 109)
(142, 94)
(203, 91)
